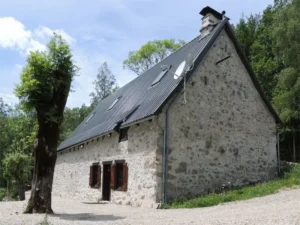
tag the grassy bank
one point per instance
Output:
(289, 179)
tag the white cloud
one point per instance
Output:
(21, 40)
(15, 36)
(43, 33)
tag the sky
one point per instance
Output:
(99, 31)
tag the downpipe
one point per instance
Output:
(278, 150)
(166, 150)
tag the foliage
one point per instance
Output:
(245, 31)
(45, 74)
(150, 54)
(104, 84)
(264, 62)
(17, 166)
(72, 118)
(289, 179)
(2, 193)
(287, 97)
(286, 33)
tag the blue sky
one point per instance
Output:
(99, 31)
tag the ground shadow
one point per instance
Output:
(86, 217)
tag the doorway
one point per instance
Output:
(106, 181)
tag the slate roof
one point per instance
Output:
(139, 100)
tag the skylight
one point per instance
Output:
(160, 75)
(114, 103)
(90, 117)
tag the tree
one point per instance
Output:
(104, 84)
(286, 33)
(17, 166)
(72, 118)
(150, 54)
(45, 85)
(287, 101)
(245, 31)
(4, 143)
(264, 62)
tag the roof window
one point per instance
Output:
(114, 103)
(90, 117)
(160, 75)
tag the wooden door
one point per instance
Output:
(106, 182)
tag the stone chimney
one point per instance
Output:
(210, 18)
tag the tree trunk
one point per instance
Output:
(21, 192)
(45, 157)
(294, 147)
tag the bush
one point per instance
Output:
(2, 193)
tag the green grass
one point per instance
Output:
(2, 193)
(289, 179)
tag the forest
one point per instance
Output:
(270, 41)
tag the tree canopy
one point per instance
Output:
(150, 54)
(104, 84)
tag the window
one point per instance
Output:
(114, 103)
(119, 176)
(90, 117)
(95, 175)
(160, 75)
(123, 135)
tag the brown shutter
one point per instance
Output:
(112, 176)
(125, 177)
(99, 177)
(91, 176)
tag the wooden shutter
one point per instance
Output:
(99, 177)
(112, 176)
(91, 176)
(125, 177)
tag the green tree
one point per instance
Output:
(72, 118)
(4, 143)
(286, 33)
(264, 62)
(45, 85)
(104, 84)
(287, 101)
(150, 54)
(17, 167)
(245, 31)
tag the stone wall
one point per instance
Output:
(224, 134)
(71, 178)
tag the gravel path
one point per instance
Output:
(281, 208)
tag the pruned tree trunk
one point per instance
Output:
(21, 192)
(294, 146)
(45, 157)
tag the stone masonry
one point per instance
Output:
(224, 135)
(71, 178)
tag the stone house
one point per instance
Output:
(191, 124)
